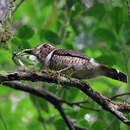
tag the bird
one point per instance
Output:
(83, 67)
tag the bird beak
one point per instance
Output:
(28, 51)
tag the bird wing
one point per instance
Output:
(64, 52)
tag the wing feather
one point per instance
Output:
(64, 52)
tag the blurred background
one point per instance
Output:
(98, 28)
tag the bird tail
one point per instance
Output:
(114, 74)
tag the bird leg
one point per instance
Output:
(65, 69)
(67, 72)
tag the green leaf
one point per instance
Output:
(49, 36)
(60, 125)
(77, 10)
(17, 44)
(73, 93)
(25, 44)
(39, 102)
(117, 18)
(70, 3)
(106, 59)
(25, 32)
(43, 104)
(97, 11)
(105, 35)
(96, 126)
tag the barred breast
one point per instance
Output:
(82, 67)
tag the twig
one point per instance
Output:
(127, 1)
(65, 117)
(14, 10)
(81, 106)
(119, 95)
(92, 109)
(76, 103)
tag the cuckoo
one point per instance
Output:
(84, 67)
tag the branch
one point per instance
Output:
(119, 95)
(17, 6)
(81, 106)
(43, 93)
(127, 1)
(114, 108)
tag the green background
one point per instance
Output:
(99, 29)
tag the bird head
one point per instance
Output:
(41, 51)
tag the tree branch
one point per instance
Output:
(114, 108)
(41, 92)
(81, 106)
(119, 95)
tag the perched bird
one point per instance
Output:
(63, 60)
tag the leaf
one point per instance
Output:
(43, 104)
(127, 33)
(25, 32)
(25, 44)
(49, 36)
(106, 59)
(84, 124)
(40, 103)
(73, 93)
(96, 126)
(17, 44)
(98, 11)
(77, 10)
(117, 18)
(105, 35)
(70, 3)
(60, 125)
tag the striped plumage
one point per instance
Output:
(83, 66)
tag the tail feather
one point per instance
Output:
(114, 74)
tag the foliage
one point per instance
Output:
(99, 29)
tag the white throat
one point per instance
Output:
(48, 57)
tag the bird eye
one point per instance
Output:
(46, 45)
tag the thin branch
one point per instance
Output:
(18, 5)
(127, 1)
(119, 95)
(92, 109)
(76, 103)
(81, 106)
(65, 117)
(114, 108)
